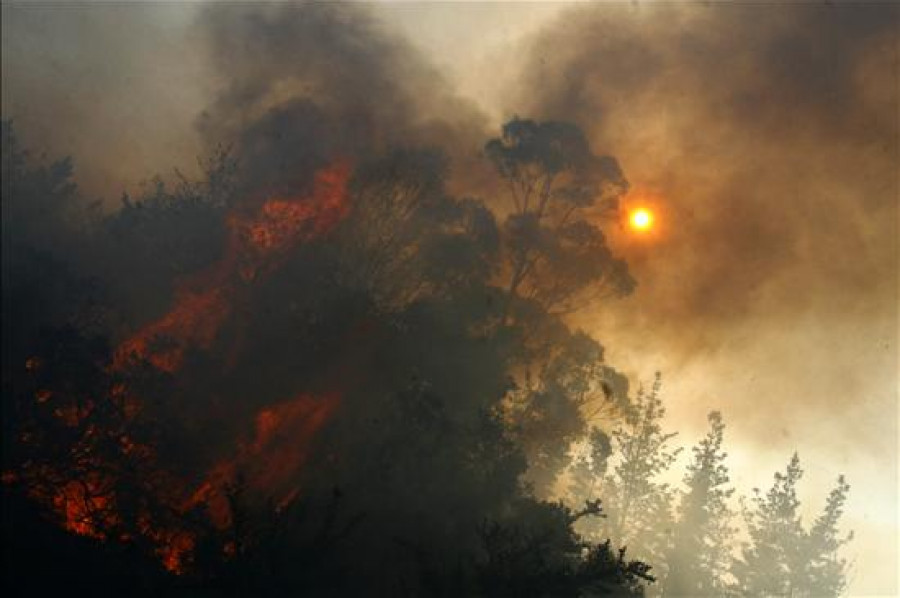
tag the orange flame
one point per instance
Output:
(280, 444)
(284, 433)
(280, 447)
(258, 244)
(194, 321)
(87, 507)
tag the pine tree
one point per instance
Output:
(782, 558)
(827, 570)
(772, 561)
(639, 506)
(700, 557)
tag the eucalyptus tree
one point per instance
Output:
(556, 254)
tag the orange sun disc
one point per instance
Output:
(641, 219)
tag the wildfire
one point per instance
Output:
(258, 243)
(88, 506)
(193, 322)
(283, 436)
(276, 447)
(270, 461)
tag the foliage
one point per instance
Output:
(827, 569)
(431, 325)
(703, 535)
(416, 486)
(782, 558)
(555, 255)
(534, 552)
(639, 505)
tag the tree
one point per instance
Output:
(534, 551)
(555, 259)
(827, 570)
(700, 556)
(555, 255)
(772, 562)
(589, 468)
(407, 238)
(782, 558)
(547, 407)
(639, 506)
(390, 316)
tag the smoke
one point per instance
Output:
(773, 146)
(284, 86)
(769, 151)
(115, 86)
(302, 319)
(302, 84)
(767, 142)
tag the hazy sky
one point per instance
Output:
(765, 137)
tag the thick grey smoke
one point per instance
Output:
(369, 292)
(138, 90)
(305, 84)
(115, 86)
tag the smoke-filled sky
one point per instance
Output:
(765, 138)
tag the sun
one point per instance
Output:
(641, 219)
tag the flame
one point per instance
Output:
(87, 506)
(258, 243)
(284, 433)
(277, 446)
(193, 322)
(270, 463)
(175, 549)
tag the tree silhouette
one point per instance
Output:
(827, 569)
(701, 544)
(781, 557)
(395, 312)
(639, 506)
(530, 554)
(772, 563)
(555, 256)
(588, 469)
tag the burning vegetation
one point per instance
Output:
(344, 360)
(319, 371)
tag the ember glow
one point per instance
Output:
(258, 242)
(271, 456)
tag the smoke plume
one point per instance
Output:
(767, 141)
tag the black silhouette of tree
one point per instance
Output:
(554, 254)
